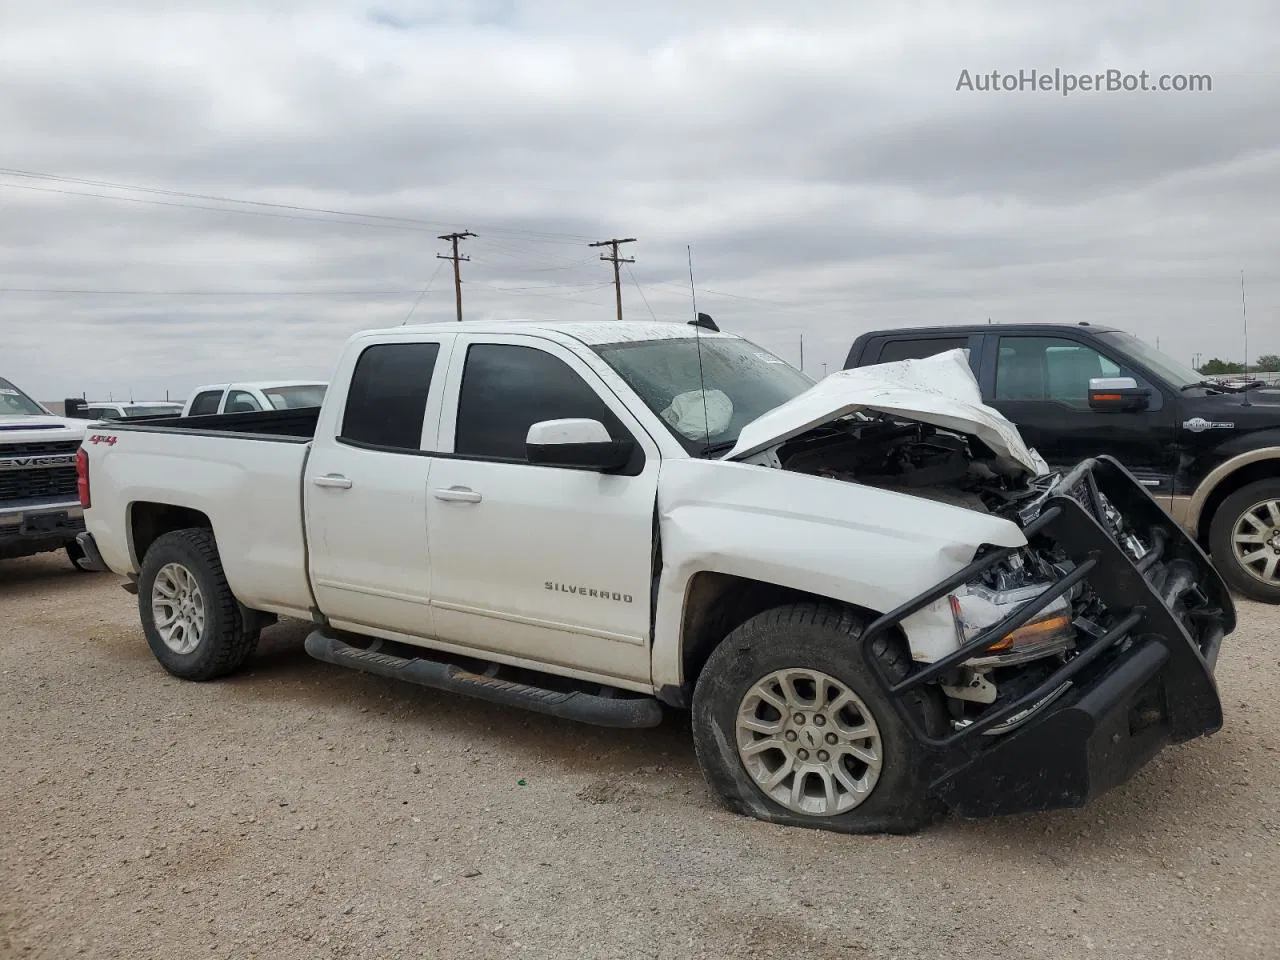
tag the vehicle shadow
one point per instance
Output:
(47, 572)
(281, 667)
(1143, 818)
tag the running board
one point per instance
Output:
(601, 710)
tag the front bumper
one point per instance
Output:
(35, 526)
(1146, 681)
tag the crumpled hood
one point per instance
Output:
(940, 390)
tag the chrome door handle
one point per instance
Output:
(458, 494)
(332, 480)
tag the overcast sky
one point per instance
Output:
(817, 157)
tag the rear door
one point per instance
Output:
(365, 489)
(542, 563)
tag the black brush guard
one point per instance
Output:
(1148, 680)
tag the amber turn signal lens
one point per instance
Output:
(1035, 630)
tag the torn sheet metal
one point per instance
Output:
(940, 390)
(862, 545)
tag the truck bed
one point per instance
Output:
(240, 472)
(298, 425)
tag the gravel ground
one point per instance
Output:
(302, 810)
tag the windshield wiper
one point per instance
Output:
(722, 447)
(1222, 387)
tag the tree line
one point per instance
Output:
(1267, 363)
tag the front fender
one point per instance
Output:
(857, 544)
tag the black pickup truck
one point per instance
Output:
(1209, 454)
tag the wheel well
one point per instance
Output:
(716, 603)
(1262, 470)
(149, 521)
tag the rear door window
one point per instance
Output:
(387, 399)
(921, 348)
(206, 403)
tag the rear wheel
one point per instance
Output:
(191, 618)
(790, 727)
(1244, 540)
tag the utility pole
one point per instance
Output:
(615, 260)
(457, 276)
(802, 353)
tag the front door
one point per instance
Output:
(366, 490)
(1042, 385)
(542, 563)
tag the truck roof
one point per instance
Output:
(133, 403)
(591, 332)
(1001, 327)
(261, 384)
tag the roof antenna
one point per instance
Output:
(697, 339)
(1244, 315)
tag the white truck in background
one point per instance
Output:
(40, 509)
(251, 397)
(871, 596)
(119, 409)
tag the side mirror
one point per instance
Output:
(1117, 394)
(74, 407)
(577, 443)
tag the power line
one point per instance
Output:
(395, 222)
(567, 298)
(631, 273)
(615, 260)
(197, 206)
(55, 291)
(457, 259)
(432, 280)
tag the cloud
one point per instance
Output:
(818, 159)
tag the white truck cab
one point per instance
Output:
(253, 396)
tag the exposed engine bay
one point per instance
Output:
(907, 457)
(926, 461)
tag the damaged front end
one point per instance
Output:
(1065, 663)
(1079, 655)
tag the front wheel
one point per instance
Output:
(1244, 540)
(190, 616)
(790, 727)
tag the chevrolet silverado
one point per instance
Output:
(875, 600)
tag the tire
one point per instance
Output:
(76, 555)
(184, 566)
(1229, 516)
(824, 639)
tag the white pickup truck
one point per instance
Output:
(215, 398)
(871, 596)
